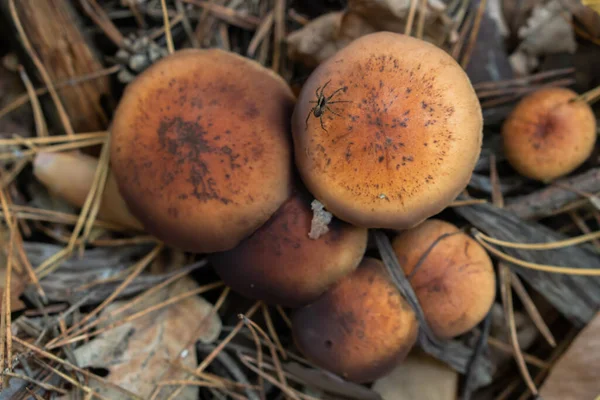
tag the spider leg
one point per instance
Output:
(334, 93)
(307, 117)
(339, 101)
(324, 86)
(333, 112)
(322, 126)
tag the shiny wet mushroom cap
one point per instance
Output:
(201, 148)
(360, 329)
(387, 131)
(548, 135)
(281, 264)
(451, 274)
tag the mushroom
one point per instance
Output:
(281, 264)
(360, 329)
(387, 131)
(451, 274)
(201, 148)
(548, 135)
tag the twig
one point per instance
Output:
(208, 359)
(261, 33)
(67, 364)
(40, 67)
(590, 96)
(531, 309)
(133, 317)
(279, 18)
(273, 331)
(538, 267)
(43, 385)
(411, 16)
(421, 21)
(24, 98)
(40, 123)
(505, 290)
(474, 33)
(137, 269)
(539, 246)
(170, 45)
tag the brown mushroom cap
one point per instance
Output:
(361, 328)
(455, 281)
(405, 140)
(280, 264)
(547, 135)
(201, 148)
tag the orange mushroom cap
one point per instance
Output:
(280, 264)
(397, 137)
(548, 135)
(454, 281)
(201, 148)
(361, 328)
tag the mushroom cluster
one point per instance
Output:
(384, 134)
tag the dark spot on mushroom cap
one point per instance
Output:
(367, 325)
(177, 136)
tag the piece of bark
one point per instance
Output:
(577, 297)
(575, 375)
(545, 202)
(54, 29)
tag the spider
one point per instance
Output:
(322, 104)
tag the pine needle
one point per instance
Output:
(539, 246)
(165, 12)
(38, 116)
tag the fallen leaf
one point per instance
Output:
(575, 375)
(418, 377)
(325, 35)
(548, 30)
(137, 354)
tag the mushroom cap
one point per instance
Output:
(404, 142)
(361, 328)
(280, 264)
(201, 148)
(454, 283)
(547, 135)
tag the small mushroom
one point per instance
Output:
(360, 329)
(451, 274)
(201, 148)
(387, 131)
(548, 135)
(281, 264)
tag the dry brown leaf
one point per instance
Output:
(576, 375)
(137, 354)
(548, 30)
(325, 35)
(420, 376)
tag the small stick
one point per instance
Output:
(170, 45)
(421, 21)
(531, 309)
(538, 267)
(540, 246)
(273, 331)
(40, 123)
(261, 33)
(40, 67)
(205, 363)
(411, 17)
(506, 293)
(474, 33)
(279, 36)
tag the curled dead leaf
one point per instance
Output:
(137, 354)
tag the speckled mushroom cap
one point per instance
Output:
(454, 282)
(361, 328)
(201, 148)
(547, 135)
(405, 142)
(281, 264)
